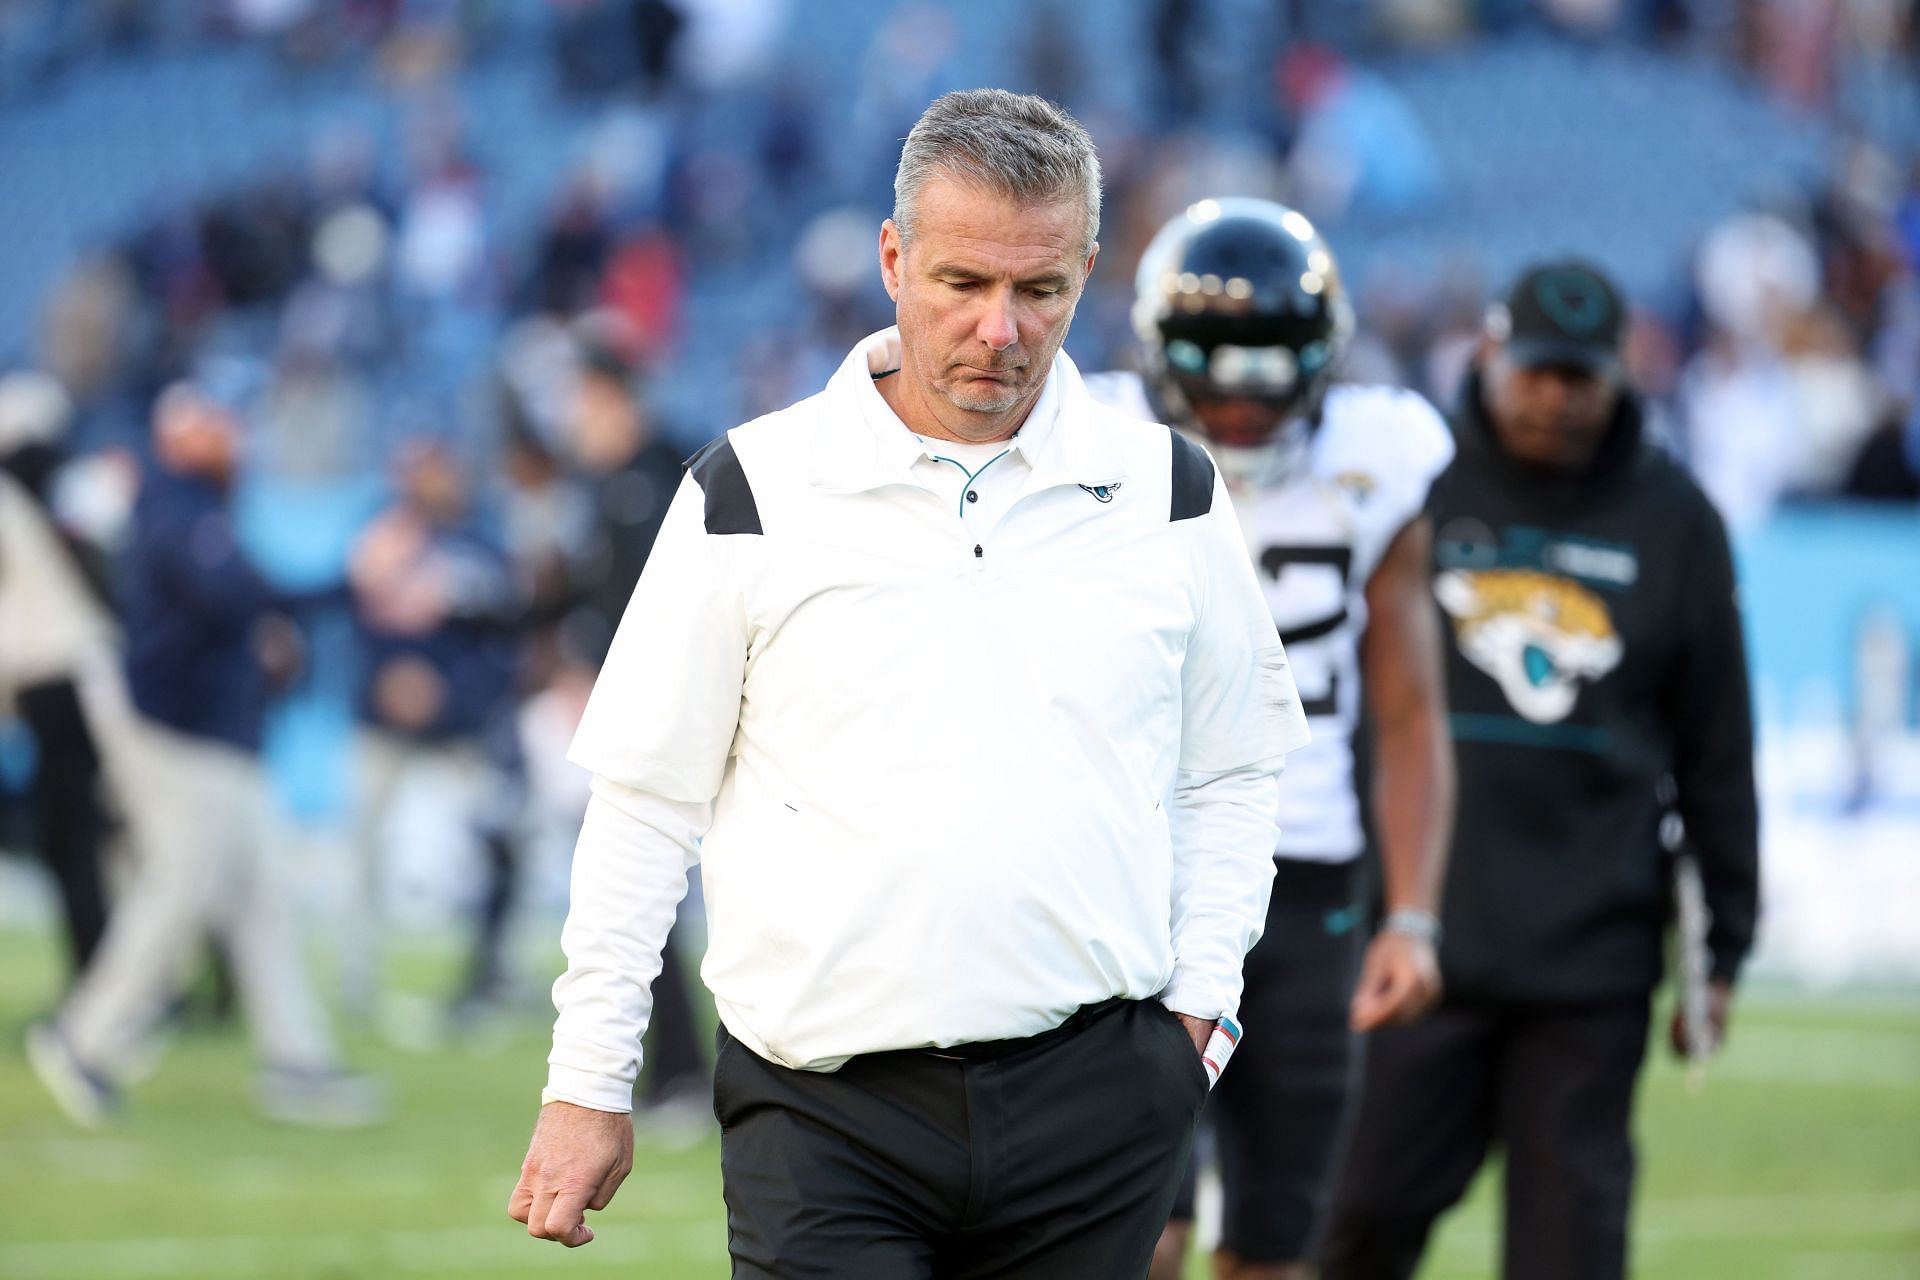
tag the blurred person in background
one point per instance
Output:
(1245, 319)
(1781, 400)
(56, 617)
(604, 46)
(545, 514)
(1358, 146)
(1594, 661)
(1887, 468)
(436, 608)
(632, 475)
(209, 642)
(579, 537)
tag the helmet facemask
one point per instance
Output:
(1241, 309)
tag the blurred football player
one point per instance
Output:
(1244, 317)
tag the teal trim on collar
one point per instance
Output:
(970, 475)
(863, 445)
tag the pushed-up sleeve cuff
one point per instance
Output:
(586, 1089)
(1197, 996)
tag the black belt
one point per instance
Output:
(988, 1050)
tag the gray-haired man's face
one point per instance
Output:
(984, 293)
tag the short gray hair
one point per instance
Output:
(1016, 144)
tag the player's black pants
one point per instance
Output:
(673, 1058)
(1280, 1112)
(1551, 1085)
(67, 810)
(1053, 1158)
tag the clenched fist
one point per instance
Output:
(578, 1158)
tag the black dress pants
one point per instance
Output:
(1053, 1158)
(1551, 1085)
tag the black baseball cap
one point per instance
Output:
(1564, 313)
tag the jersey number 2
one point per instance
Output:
(1277, 563)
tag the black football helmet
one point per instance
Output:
(1240, 300)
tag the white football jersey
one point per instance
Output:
(1316, 536)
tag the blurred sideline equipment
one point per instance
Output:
(1696, 999)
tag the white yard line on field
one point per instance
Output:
(1814, 1055)
(1862, 1216)
(1856, 1215)
(97, 1161)
(1865, 1216)
(374, 1253)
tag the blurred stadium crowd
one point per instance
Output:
(465, 281)
(705, 187)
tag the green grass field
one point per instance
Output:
(1801, 1161)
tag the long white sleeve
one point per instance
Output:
(629, 874)
(655, 735)
(1240, 715)
(1223, 835)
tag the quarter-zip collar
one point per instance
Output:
(866, 446)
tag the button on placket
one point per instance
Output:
(968, 508)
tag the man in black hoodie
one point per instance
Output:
(1598, 684)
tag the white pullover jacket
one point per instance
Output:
(948, 781)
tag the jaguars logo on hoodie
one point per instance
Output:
(1540, 636)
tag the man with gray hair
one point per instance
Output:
(960, 687)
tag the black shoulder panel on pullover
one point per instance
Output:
(1192, 479)
(730, 505)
